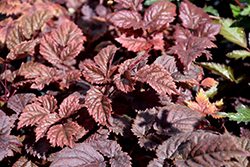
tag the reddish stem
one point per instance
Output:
(239, 4)
(5, 84)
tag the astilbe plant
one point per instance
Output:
(67, 103)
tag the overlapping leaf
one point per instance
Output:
(5, 26)
(35, 22)
(159, 15)
(168, 62)
(110, 149)
(209, 30)
(126, 19)
(168, 149)
(98, 104)
(49, 49)
(69, 106)
(67, 33)
(40, 73)
(209, 82)
(158, 78)
(10, 8)
(192, 16)
(181, 32)
(82, 154)
(63, 44)
(5, 128)
(23, 49)
(23, 162)
(14, 37)
(124, 80)
(45, 124)
(134, 44)
(62, 134)
(204, 106)
(70, 77)
(212, 151)
(33, 113)
(189, 49)
(38, 149)
(142, 124)
(133, 4)
(119, 125)
(18, 102)
(100, 70)
(176, 118)
(221, 69)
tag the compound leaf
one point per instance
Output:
(126, 19)
(237, 54)
(158, 78)
(102, 72)
(243, 114)
(192, 16)
(82, 154)
(159, 15)
(98, 104)
(62, 134)
(188, 49)
(204, 106)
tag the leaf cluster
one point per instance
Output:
(113, 83)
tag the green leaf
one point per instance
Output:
(236, 10)
(212, 91)
(246, 11)
(243, 114)
(210, 9)
(220, 69)
(237, 54)
(150, 2)
(233, 34)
